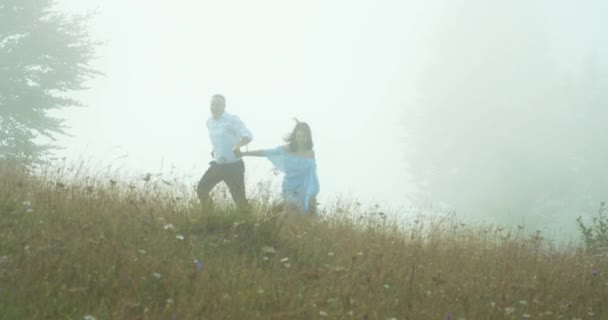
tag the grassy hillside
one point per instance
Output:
(80, 246)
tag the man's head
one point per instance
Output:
(218, 105)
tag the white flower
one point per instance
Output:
(142, 251)
(331, 254)
(323, 313)
(169, 226)
(260, 290)
(88, 317)
(386, 286)
(179, 237)
(287, 265)
(509, 310)
(156, 275)
(269, 250)
(284, 259)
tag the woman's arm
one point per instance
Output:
(253, 153)
(259, 153)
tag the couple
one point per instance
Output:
(296, 160)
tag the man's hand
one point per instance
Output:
(237, 152)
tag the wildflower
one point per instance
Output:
(269, 250)
(284, 259)
(525, 316)
(88, 317)
(169, 301)
(392, 318)
(493, 304)
(509, 310)
(169, 226)
(156, 275)
(266, 258)
(142, 251)
(386, 286)
(199, 265)
(260, 290)
(523, 302)
(323, 313)
(179, 237)
(331, 254)
(287, 265)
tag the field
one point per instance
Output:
(75, 245)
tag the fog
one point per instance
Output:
(493, 109)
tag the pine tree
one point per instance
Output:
(44, 56)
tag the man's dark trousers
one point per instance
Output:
(233, 174)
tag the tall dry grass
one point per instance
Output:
(75, 245)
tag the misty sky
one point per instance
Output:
(348, 68)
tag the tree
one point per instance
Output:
(44, 55)
(499, 134)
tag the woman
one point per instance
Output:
(296, 160)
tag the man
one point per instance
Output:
(227, 132)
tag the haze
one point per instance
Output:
(380, 83)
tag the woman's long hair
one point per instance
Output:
(291, 139)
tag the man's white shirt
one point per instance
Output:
(225, 133)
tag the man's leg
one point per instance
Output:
(235, 179)
(211, 178)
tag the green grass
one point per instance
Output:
(73, 245)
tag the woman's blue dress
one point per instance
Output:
(301, 183)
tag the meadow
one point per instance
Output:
(79, 245)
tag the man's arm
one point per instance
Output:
(239, 127)
(244, 141)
